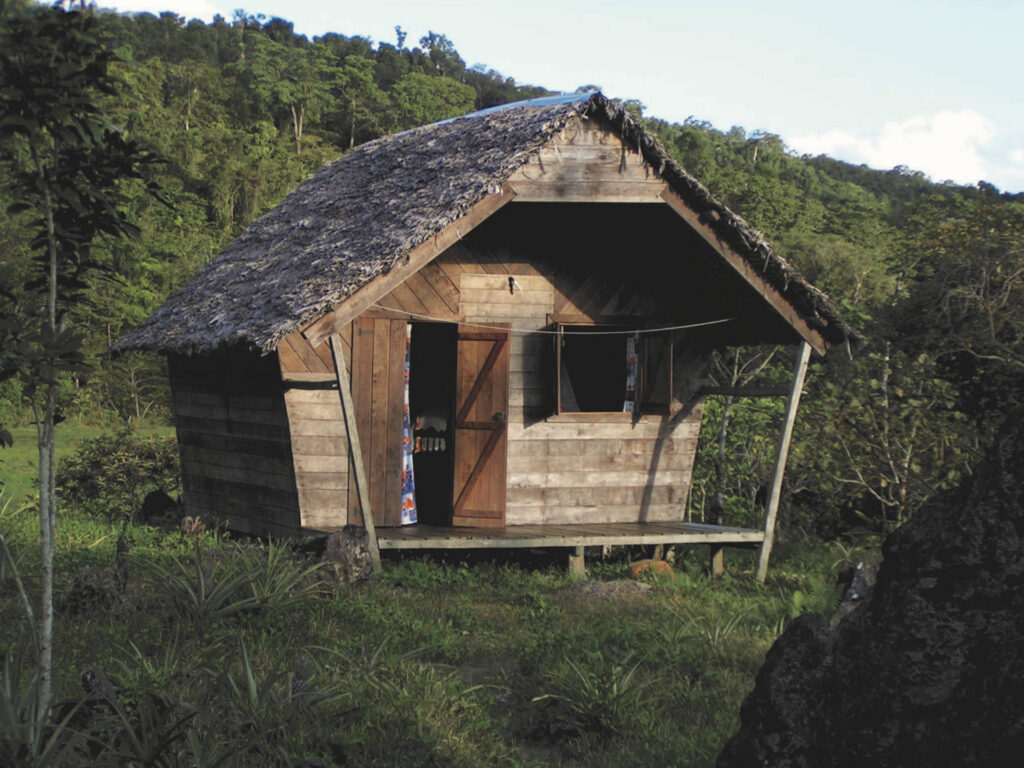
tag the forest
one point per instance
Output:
(217, 122)
(233, 114)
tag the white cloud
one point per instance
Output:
(947, 145)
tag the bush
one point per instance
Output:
(110, 475)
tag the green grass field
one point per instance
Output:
(19, 464)
(232, 654)
(225, 652)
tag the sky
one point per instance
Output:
(933, 85)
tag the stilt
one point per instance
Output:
(362, 488)
(717, 560)
(781, 454)
(577, 568)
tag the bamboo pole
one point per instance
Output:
(362, 489)
(781, 454)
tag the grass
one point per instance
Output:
(203, 651)
(226, 653)
(19, 463)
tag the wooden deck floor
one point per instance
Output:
(578, 535)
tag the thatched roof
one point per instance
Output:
(360, 216)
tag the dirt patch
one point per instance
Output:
(608, 590)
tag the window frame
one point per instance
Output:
(643, 406)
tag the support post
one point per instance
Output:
(577, 568)
(717, 560)
(362, 488)
(781, 454)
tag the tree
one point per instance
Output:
(67, 163)
(296, 79)
(363, 100)
(421, 99)
(443, 56)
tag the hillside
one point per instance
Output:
(240, 111)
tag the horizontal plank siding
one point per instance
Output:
(581, 467)
(319, 443)
(232, 430)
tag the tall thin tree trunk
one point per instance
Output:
(45, 429)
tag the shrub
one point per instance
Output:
(110, 475)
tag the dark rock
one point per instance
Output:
(858, 582)
(347, 555)
(159, 509)
(927, 671)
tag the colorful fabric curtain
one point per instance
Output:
(408, 480)
(629, 406)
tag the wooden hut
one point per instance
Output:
(511, 261)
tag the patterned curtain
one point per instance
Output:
(408, 480)
(629, 406)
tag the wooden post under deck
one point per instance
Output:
(717, 554)
(577, 567)
(781, 454)
(362, 489)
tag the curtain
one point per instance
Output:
(629, 404)
(408, 480)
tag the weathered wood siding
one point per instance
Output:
(576, 467)
(234, 442)
(374, 350)
(378, 390)
(560, 469)
(319, 442)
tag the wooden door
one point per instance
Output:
(481, 427)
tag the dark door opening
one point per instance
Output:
(431, 408)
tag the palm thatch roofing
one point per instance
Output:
(360, 216)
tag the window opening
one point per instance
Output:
(602, 372)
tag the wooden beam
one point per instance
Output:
(781, 454)
(588, 191)
(354, 451)
(746, 271)
(321, 329)
(308, 378)
(548, 536)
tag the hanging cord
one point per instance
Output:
(558, 332)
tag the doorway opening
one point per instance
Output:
(432, 359)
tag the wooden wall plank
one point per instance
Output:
(586, 191)
(233, 440)
(407, 300)
(447, 291)
(572, 496)
(300, 347)
(598, 514)
(394, 395)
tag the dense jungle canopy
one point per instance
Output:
(238, 111)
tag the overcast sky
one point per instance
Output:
(933, 85)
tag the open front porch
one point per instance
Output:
(573, 537)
